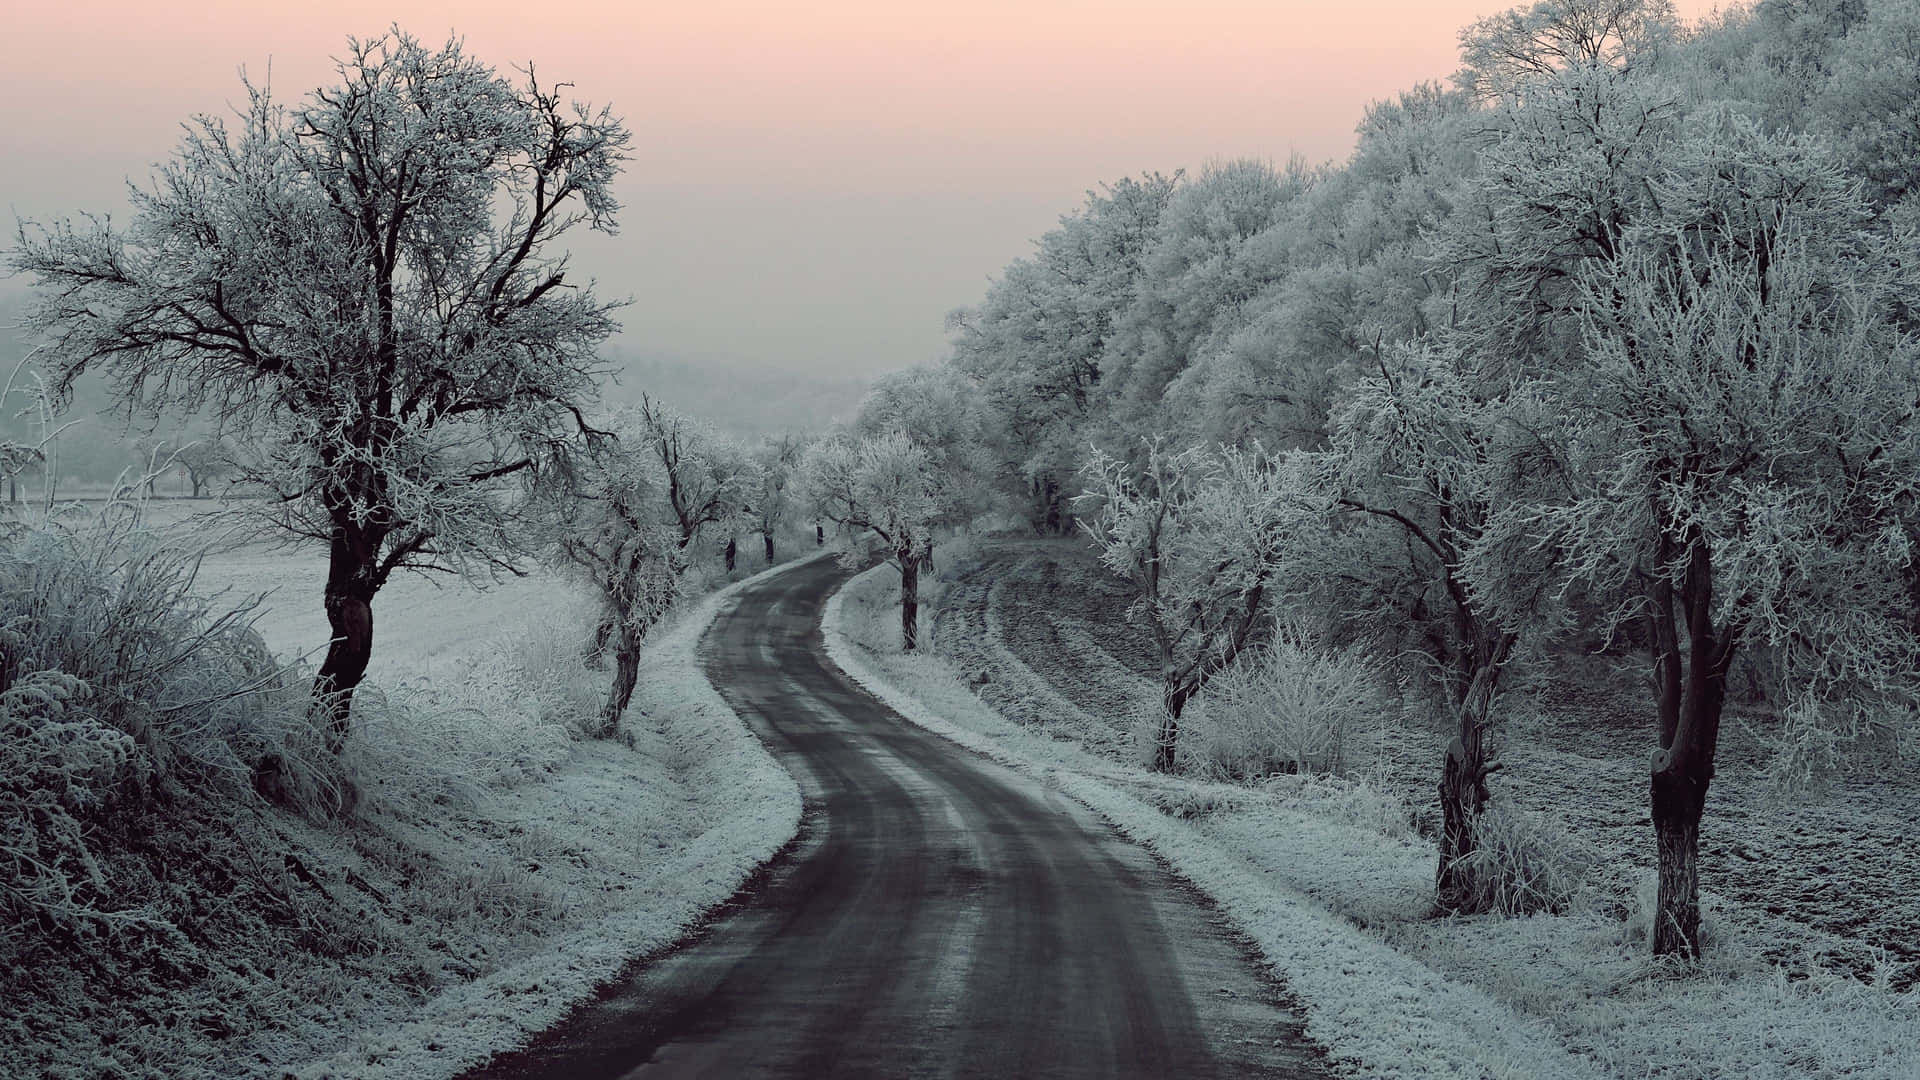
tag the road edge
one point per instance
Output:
(1378, 1012)
(753, 815)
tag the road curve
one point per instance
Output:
(939, 916)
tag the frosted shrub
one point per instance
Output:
(1522, 863)
(1287, 707)
(118, 685)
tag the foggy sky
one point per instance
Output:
(814, 185)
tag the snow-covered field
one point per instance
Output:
(498, 870)
(1333, 879)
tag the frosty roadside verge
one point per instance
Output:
(754, 812)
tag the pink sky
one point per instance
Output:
(813, 184)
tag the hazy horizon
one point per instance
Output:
(810, 190)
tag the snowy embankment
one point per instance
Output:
(1378, 1012)
(745, 808)
(492, 869)
(1805, 973)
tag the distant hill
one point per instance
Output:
(738, 397)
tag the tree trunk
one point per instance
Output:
(626, 675)
(767, 538)
(1052, 496)
(909, 603)
(1173, 701)
(1681, 774)
(1679, 800)
(349, 604)
(1690, 737)
(1463, 794)
(1463, 776)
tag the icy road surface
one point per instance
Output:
(939, 916)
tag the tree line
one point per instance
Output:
(1606, 343)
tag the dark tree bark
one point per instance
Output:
(1463, 774)
(1463, 795)
(626, 676)
(767, 538)
(352, 581)
(732, 553)
(909, 602)
(1166, 740)
(1692, 687)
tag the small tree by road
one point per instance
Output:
(705, 476)
(610, 527)
(882, 489)
(1200, 535)
(775, 462)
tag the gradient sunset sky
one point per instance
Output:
(814, 185)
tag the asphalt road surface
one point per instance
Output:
(939, 916)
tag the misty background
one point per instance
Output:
(813, 187)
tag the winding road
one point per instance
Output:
(938, 916)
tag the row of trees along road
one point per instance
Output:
(1607, 344)
(364, 291)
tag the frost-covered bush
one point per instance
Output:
(1522, 863)
(1287, 707)
(119, 689)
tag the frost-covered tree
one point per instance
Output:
(882, 489)
(705, 475)
(611, 526)
(15, 457)
(1562, 175)
(1214, 252)
(1743, 426)
(938, 410)
(201, 461)
(774, 463)
(1505, 53)
(366, 286)
(1200, 535)
(1423, 453)
(1871, 100)
(1036, 345)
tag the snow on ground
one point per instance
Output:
(660, 841)
(1035, 631)
(499, 868)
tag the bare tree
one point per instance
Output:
(883, 488)
(703, 473)
(1200, 535)
(774, 465)
(610, 527)
(365, 286)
